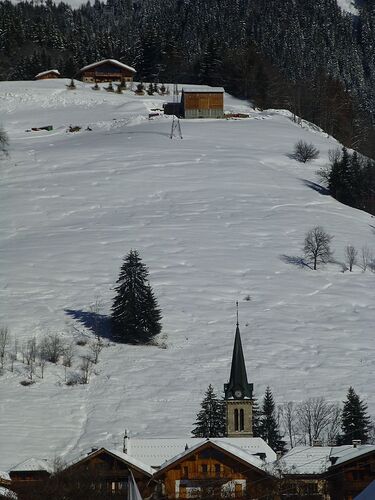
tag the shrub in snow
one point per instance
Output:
(304, 152)
(74, 378)
(27, 382)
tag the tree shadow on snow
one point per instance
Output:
(295, 261)
(316, 187)
(99, 324)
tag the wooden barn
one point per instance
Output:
(214, 469)
(50, 74)
(107, 70)
(202, 102)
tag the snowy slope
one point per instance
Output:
(213, 216)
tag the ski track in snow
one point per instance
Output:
(217, 216)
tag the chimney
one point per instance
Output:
(317, 443)
(279, 455)
(333, 460)
(356, 443)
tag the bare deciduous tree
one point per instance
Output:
(317, 246)
(366, 258)
(52, 348)
(4, 342)
(350, 256)
(29, 351)
(96, 348)
(314, 417)
(304, 152)
(4, 141)
(288, 418)
(87, 367)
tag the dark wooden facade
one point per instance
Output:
(211, 471)
(111, 473)
(108, 70)
(350, 478)
(22, 482)
(202, 103)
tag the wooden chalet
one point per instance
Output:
(328, 473)
(351, 472)
(111, 472)
(27, 474)
(107, 70)
(214, 469)
(202, 102)
(50, 74)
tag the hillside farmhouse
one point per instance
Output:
(107, 70)
(50, 74)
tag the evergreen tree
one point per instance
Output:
(211, 419)
(269, 427)
(135, 313)
(256, 418)
(354, 421)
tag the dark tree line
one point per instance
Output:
(311, 420)
(305, 56)
(351, 180)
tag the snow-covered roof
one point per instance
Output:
(318, 459)
(55, 71)
(110, 61)
(33, 464)
(201, 89)
(137, 464)
(4, 476)
(344, 454)
(156, 451)
(229, 448)
(4, 492)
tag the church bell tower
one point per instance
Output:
(238, 394)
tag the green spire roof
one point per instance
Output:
(238, 386)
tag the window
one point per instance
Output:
(204, 468)
(236, 423)
(242, 420)
(217, 470)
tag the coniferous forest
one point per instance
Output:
(309, 57)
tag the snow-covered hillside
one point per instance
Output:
(217, 216)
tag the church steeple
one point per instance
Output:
(238, 393)
(238, 386)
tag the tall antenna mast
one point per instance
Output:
(176, 126)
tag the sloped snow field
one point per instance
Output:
(217, 216)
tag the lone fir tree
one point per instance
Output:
(354, 421)
(135, 313)
(269, 428)
(211, 418)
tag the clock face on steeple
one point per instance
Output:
(238, 394)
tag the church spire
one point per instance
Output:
(238, 386)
